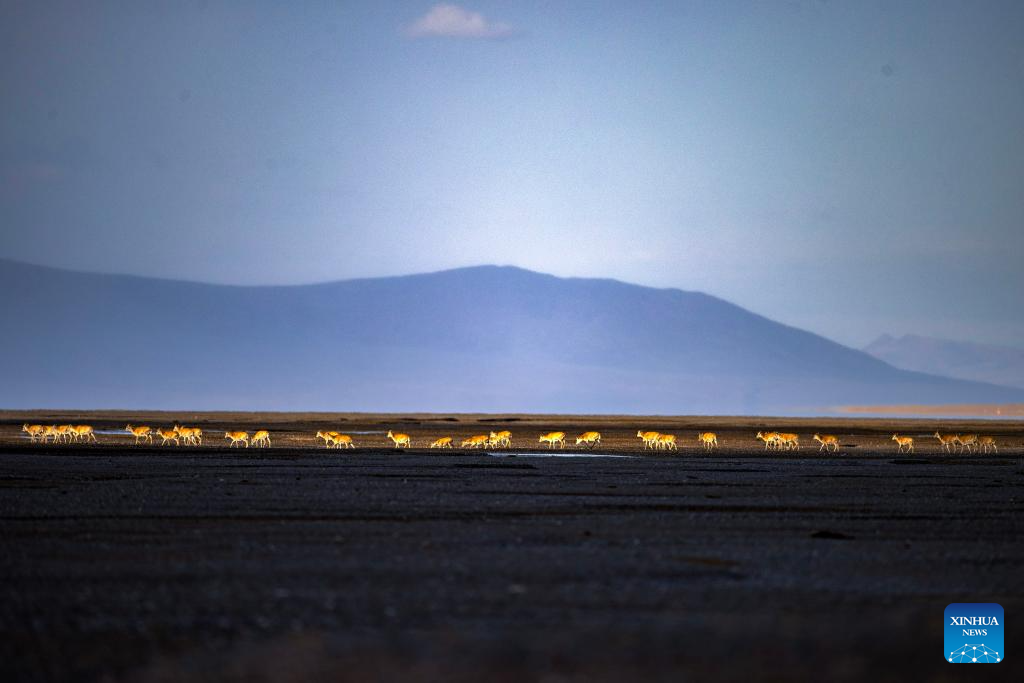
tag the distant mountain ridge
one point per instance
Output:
(479, 339)
(964, 360)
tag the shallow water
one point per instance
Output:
(552, 454)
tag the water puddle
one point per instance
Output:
(553, 454)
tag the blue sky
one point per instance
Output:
(852, 168)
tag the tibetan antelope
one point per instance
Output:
(478, 441)
(987, 442)
(185, 433)
(903, 442)
(342, 440)
(84, 432)
(966, 441)
(771, 439)
(590, 438)
(330, 439)
(261, 438)
(551, 438)
(167, 435)
(665, 442)
(650, 439)
(947, 441)
(236, 438)
(197, 434)
(63, 433)
(443, 442)
(400, 439)
(708, 440)
(502, 438)
(192, 434)
(789, 442)
(34, 431)
(141, 433)
(828, 442)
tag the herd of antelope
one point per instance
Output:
(779, 441)
(971, 443)
(178, 435)
(193, 436)
(59, 433)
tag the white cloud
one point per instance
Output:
(453, 21)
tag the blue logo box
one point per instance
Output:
(974, 633)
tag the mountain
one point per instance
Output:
(964, 360)
(481, 339)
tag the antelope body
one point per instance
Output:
(443, 442)
(141, 433)
(551, 438)
(665, 442)
(34, 431)
(590, 438)
(261, 438)
(771, 439)
(84, 432)
(947, 441)
(342, 440)
(167, 435)
(966, 441)
(828, 442)
(650, 439)
(903, 442)
(400, 439)
(190, 435)
(789, 442)
(236, 438)
(502, 438)
(477, 441)
(708, 440)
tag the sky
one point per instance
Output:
(851, 168)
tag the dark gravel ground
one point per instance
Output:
(287, 564)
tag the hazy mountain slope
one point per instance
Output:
(472, 339)
(964, 360)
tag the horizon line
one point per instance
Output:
(316, 283)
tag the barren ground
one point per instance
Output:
(298, 563)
